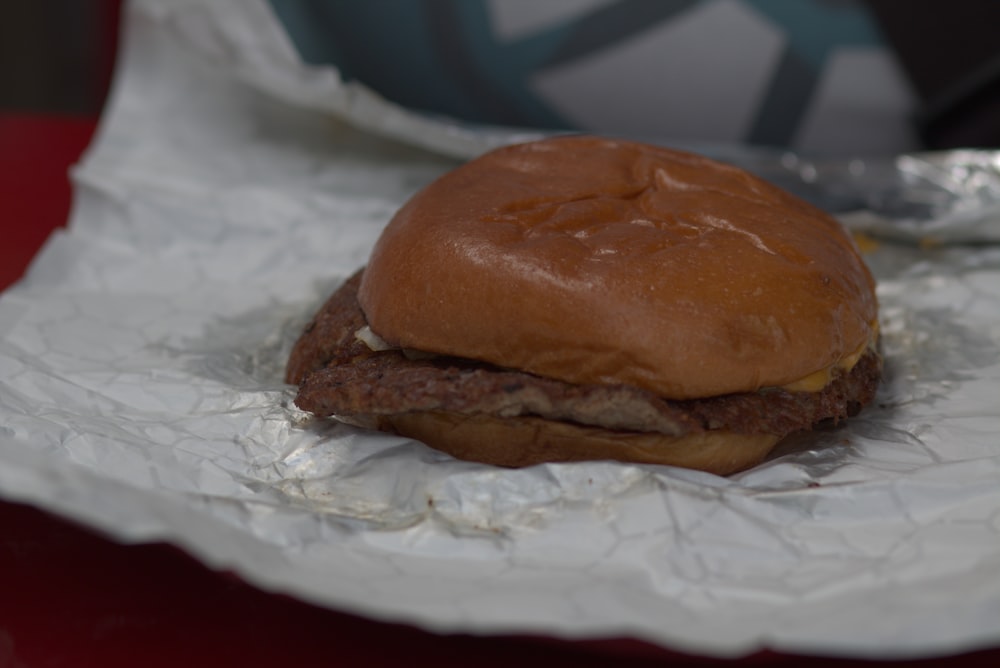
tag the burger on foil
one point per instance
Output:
(582, 298)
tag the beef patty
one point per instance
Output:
(339, 375)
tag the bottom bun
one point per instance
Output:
(525, 441)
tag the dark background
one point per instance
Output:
(56, 56)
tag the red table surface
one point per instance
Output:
(72, 597)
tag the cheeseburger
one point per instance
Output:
(581, 298)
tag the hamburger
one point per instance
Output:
(581, 298)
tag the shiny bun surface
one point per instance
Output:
(598, 261)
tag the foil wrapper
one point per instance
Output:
(947, 197)
(231, 188)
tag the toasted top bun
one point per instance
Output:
(598, 261)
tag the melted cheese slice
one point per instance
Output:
(816, 381)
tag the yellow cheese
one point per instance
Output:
(816, 381)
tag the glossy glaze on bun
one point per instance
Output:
(596, 261)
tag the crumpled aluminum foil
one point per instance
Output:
(141, 393)
(929, 198)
